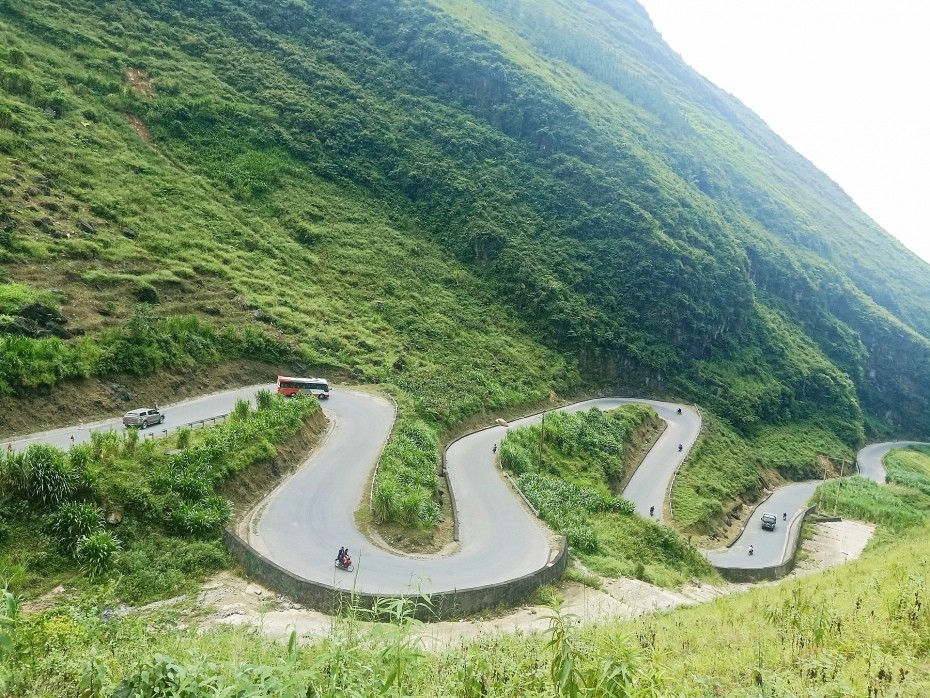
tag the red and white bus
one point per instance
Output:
(290, 386)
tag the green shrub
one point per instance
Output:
(408, 477)
(264, 399)
(130, 441)
(47, 477)
(200, 518)
(184, 437)
(96, 552)
(105, 446)
(241, 411)
(73, 522)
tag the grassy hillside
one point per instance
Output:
(858, 629)
(571, 467)
(555, 194)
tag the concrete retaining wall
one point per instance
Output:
(765, 574)
(438, 606)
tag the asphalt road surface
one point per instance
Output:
(176, 415)
(311, 516)
(871, 459)
(771, 547)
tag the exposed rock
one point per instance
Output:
(130, 233)
(114, 518)
(86, 226)
(41, 313)
(211, 310)
(147, 294)
(45, 224)
(262, 316)
(59, 331)
(119, 392)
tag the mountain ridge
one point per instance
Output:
(572, 167)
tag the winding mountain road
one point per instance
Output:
(303, 522)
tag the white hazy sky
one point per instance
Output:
(845, 82)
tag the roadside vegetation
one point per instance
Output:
(459, 217)
(139, 515)
(857, 629)
(145, 344)
(571, 465)
(901, 504)
(726, 469)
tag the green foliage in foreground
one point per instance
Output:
(567, 468)
(52, 504)
(900, 505)
(859, 629)
(725, 468)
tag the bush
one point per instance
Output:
(184, 437)
(96, 552)
(241, 411)
(408, 477)
(204, 517)
(74, 522)
(130, 441)
(264, 399)
(47, 477)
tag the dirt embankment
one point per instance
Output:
(98, 398)
(248, 488)
(230, 600)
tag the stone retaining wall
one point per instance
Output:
(439, 606)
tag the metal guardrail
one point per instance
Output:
(202, 422)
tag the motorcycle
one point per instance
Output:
(348, 568)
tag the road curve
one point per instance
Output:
(312, 514)
(871, 459)
(309, 517)
(770, 548)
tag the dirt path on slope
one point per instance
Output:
(236, 601)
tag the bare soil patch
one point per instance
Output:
(232, 600)
(139, 127)
(140, 81)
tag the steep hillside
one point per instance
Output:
(474, 201)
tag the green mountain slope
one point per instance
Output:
(475, 201)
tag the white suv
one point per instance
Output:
(143, 417)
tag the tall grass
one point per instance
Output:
(408, 477)
(568, 466)
(902, 504)
(170, 518)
